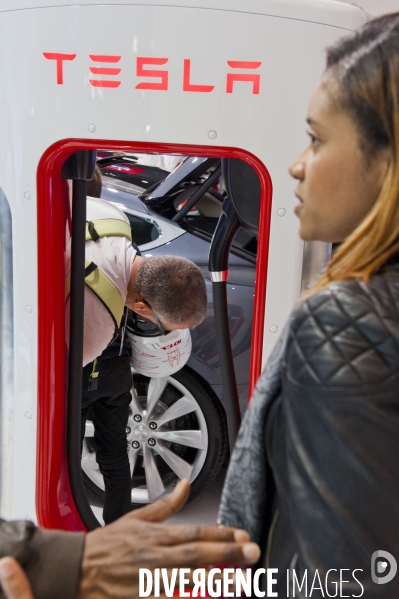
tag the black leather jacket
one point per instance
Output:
(314, 476)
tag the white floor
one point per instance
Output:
(202, 510)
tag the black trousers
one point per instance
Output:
(110, 406)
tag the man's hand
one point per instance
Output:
(114, 554)
(13, 580)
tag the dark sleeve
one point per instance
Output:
(341, 406)
(50, 558)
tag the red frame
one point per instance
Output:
(54, 502)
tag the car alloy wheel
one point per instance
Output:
(174, 431)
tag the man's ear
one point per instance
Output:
(141, 308)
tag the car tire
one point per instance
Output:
(204, 426)
(217, 429)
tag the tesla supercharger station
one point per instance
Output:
(227, 78)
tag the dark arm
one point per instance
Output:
(51, 559)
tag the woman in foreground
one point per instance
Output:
(314, 477)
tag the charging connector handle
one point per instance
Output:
(218, 265)
(226, 229)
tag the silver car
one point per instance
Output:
(192, 435)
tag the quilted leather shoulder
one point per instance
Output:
(347, 334)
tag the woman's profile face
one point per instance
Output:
(337, 185)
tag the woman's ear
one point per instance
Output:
(383, 162)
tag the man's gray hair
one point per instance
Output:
(174, 288)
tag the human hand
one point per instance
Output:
(13, 580)
(113, 555)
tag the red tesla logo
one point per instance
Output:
(157, 79)
(104, 70)
(59, 59)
